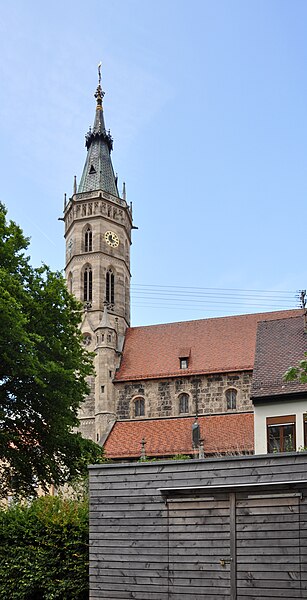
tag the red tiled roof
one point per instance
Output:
(168, 437)
(217, 345)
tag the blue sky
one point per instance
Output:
(206, 101)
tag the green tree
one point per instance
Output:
(43, 371)
(297, 373)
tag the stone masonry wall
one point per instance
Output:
(162, 396)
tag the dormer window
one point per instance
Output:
(92, 170)
(184, 363)
(184, 357)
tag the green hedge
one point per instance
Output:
(44, 550)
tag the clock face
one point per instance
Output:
(111, 239)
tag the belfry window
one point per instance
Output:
(139, 407)
(87, 284)
(110, 287)
(69, 281)
(183, 403)
(231, 399)
(88, 240)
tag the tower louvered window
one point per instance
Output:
(87, 284)
(69, 281)
(110, 287)
(88, 240)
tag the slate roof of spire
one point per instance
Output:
(98, 171)
(218, 345)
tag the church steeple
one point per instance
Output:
(98, 224)
(98, 171)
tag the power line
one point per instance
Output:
(209, 299)
(182, 287)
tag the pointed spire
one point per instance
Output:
(75, 184)
(124, 191)
(105, 320)
(98, 171)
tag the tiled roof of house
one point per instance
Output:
(280, 344)
(168, 437)
(216, 345)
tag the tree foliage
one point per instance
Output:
(43, 371)
(297, 373)
(44, 550)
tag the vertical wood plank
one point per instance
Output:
(233, 549)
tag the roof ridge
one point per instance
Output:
(283, 318)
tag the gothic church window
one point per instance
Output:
(88, 240)
(183, 403)
(110, 287)
(87, 284)
(69, 279)
(87, 338)
(231, 399)
(139, 407)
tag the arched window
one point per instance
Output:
(110, 287)
(183, 403)
(69, 282)
(87, 284)
(139, 407)
(88, 240)
(231, 399)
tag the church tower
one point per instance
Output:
(98, 224)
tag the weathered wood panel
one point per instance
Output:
(146, 549)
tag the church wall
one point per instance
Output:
(162, 395)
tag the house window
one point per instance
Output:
(87, 284)
(231, 399)
(183, 403)
(110, 287)
(88, 239)
(281, 434)
(139, 407)
(184, 362)
(305, 431)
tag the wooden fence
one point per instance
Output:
(218, 529)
